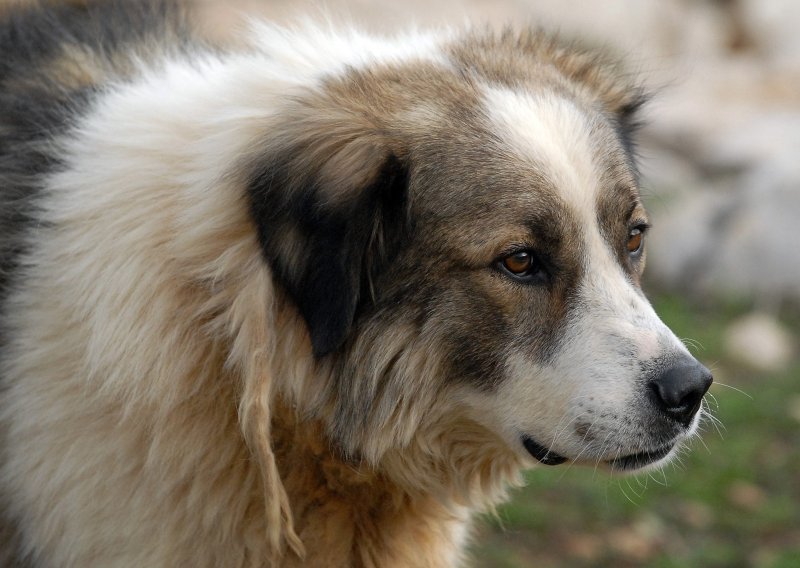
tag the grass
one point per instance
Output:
(733, 500)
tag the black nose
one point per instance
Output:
(679, 388)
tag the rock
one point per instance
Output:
(773, 26)
(761, 342)
(793, 408)
(725, 202)
(746, 495)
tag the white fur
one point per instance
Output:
(309, 49)
(553, 132)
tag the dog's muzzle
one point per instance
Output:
(675, 391)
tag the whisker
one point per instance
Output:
(570, 464)
(633, 490)
(561, 430)
(704, 443)
(583, 450)
(694, 343)
(622, 490)
(663, 471)
(713, 399)
(718, 424)
(600, 454)
(715, 422)
(678, 464)
(740, 391)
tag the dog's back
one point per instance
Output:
(55, 59)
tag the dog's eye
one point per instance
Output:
(521, 266)
(518, 263)
(635, 240)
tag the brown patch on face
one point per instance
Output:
(337, 177)
(478, 205)
(77, 68)
(534, 62)
(471, 200)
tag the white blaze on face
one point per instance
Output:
(550, 130)
(596, 375)
(556, 135)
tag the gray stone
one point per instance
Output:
(760, 341)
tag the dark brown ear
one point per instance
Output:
(628, 118)
(619, 94)
(329, 215)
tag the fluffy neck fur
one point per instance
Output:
(351, 515)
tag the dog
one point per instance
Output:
(316, 297)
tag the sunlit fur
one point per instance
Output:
(169, 395)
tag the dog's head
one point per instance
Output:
(462, 232)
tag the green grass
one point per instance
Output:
(733, 500)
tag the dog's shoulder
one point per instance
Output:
(55, 51)
(57, 58)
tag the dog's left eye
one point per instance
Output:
(635, 240)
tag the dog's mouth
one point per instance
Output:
(629, 462)
(639, 460)
(544, 455)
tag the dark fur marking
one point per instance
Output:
(344, 245)
(628, 122)
(615, 208)
(11, 551)
(37, 104)
(478, 337)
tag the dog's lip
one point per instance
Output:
(639, 460)
(541, 453)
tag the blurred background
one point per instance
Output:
(721, 161)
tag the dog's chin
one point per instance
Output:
(641, 461)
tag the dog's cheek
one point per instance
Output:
(476, 335)
(482, 321)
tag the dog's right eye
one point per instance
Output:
(521, 265)
(518, 263)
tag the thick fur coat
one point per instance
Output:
(315, 298)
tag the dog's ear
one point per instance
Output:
(601, 76)
(625, 107)
(614, 89)
(330, 213)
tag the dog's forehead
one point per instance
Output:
(571, 146)
(531, 158)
